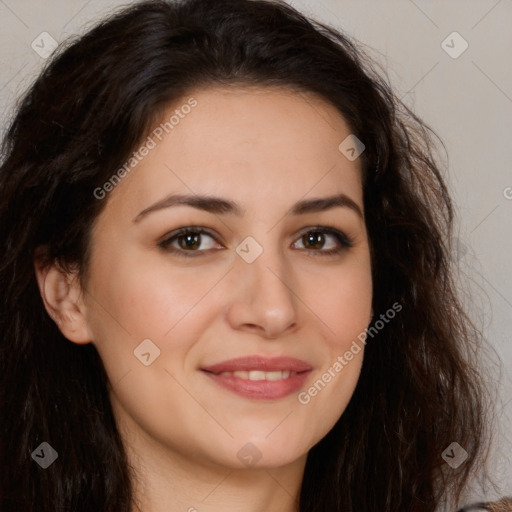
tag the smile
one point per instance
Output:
(259, 377)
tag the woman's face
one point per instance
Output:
(213, 341)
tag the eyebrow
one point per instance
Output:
(218, 205)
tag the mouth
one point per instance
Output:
(257, 377)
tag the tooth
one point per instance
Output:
(256, 375)
(260, 375)
(241, 374)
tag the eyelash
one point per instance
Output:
(343, 240)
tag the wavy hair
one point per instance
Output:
(95, 100)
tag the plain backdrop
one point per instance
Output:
(450, 61)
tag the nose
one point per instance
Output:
(264, 300)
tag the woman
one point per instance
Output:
(210, 212)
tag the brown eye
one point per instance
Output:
(324, 241)
(190, 241)
(313, 239)
(187, 241)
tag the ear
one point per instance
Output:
(63, 300)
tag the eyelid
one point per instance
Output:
(328, 230)
(188, 229)
(168, 238)
(345, 242)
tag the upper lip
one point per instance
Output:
(266, 364)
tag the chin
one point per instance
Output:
(264, 451)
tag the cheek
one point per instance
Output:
(345, 313)
(350, 310)
(343, 301)
(145, 299)
(132, 299)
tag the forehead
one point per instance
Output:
(252, 144)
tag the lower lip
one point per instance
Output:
(261, 389)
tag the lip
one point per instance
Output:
(264, 364)
(260, 389)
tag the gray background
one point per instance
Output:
(467, 100)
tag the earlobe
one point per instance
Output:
(62, 298)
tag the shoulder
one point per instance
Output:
(502, 505)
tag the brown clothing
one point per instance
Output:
(503, 505)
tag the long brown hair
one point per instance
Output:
(419, 390)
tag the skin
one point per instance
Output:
(265, 149)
